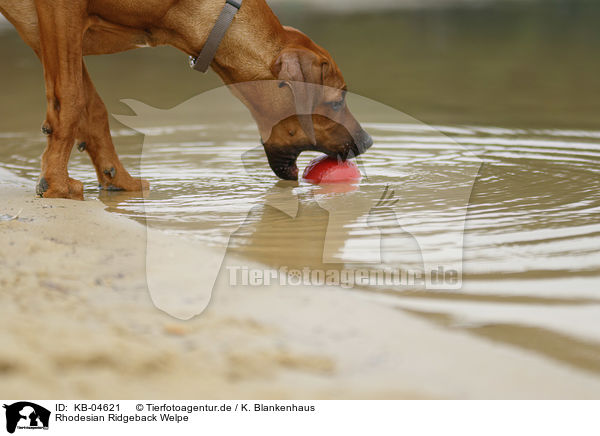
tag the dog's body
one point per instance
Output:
(256, 47)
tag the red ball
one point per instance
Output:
(325, 169)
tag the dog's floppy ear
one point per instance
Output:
(302, 71)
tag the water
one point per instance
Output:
(503, 150)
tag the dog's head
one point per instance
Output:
(306, 108)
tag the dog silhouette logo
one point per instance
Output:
(26, 415)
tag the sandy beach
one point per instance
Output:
(77, 321)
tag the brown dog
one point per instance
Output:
(256, 48)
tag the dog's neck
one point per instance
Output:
(249, 48)
(251, 45)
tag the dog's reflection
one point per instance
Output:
(288, 229)
(312, 227)
(299, 226)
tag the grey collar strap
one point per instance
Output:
(206, 56)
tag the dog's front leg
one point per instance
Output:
(94, 137)
(61, 24)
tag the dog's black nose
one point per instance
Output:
(364, 141)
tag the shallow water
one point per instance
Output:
(515, 179)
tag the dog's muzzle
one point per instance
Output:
(282, 160)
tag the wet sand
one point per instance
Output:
(76, 321)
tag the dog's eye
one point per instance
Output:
(337, 105)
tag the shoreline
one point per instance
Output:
(77, 321)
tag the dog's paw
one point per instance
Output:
(125, 183)
(71, 189)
